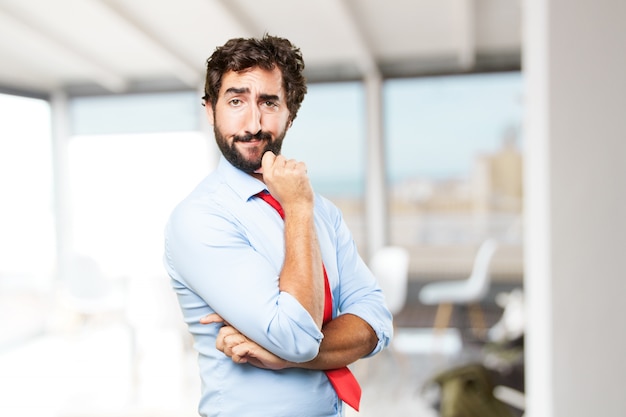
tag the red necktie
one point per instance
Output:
(343, 381)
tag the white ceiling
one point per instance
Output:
(99, 46)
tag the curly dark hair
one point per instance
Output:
(267, 53)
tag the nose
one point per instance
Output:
(253, 120)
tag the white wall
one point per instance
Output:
(575, 69)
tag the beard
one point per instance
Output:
(251, 162)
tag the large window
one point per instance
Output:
(329, 135)
(27, 241)
(131, 159)
(454, 158)
(453, 153)
(453, 149)
(123, 188)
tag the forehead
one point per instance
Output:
(254, 80)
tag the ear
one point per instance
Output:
(208, 108)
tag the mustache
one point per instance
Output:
(247, 138)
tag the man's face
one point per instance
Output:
(250, 116)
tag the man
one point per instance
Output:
(253, 280)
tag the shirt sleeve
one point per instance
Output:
(358, 292)
(209, 253)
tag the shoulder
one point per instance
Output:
(326, 207)
(210, 200)
(328, 212)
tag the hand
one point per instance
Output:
(287, 181)
(211, 318)
(240, 349)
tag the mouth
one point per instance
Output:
(248, 140)
(259, 137)
(250, 145)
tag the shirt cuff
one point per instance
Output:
(382, 328)
(301, 337)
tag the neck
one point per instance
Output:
(258, 176)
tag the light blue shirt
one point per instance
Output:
(224, 250)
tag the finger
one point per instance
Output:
(239, 359)
(268, 160)
(290, 165)
(222, 335)
(211, 318)
(233, 340)
(241, 352)
(301, 167)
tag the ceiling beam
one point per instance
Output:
(185, 71)
(104, 75)
(467, 34)
(365, 60)
(246, 25)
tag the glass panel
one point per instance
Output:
(27, 242)
(135, 113)
(27, 238)
(329, 135)
(454, 157)
(123, 188)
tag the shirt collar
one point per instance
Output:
(243, 184)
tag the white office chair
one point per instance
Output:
(465, 292)
(390, 266)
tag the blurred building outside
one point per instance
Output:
(442, 222)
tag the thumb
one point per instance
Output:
(268, 160)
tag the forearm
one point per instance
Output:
(302, 274)
(347, 338)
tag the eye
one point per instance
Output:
(270, 103)
(235, 102)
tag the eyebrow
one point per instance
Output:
(235, 90)
(245, 90)
(270, 97)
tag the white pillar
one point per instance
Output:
(60, 121)
(575, 180)
(376, 218)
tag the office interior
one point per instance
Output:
(553, 205)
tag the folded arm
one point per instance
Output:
(347, 338)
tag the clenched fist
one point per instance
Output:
(287, 181)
